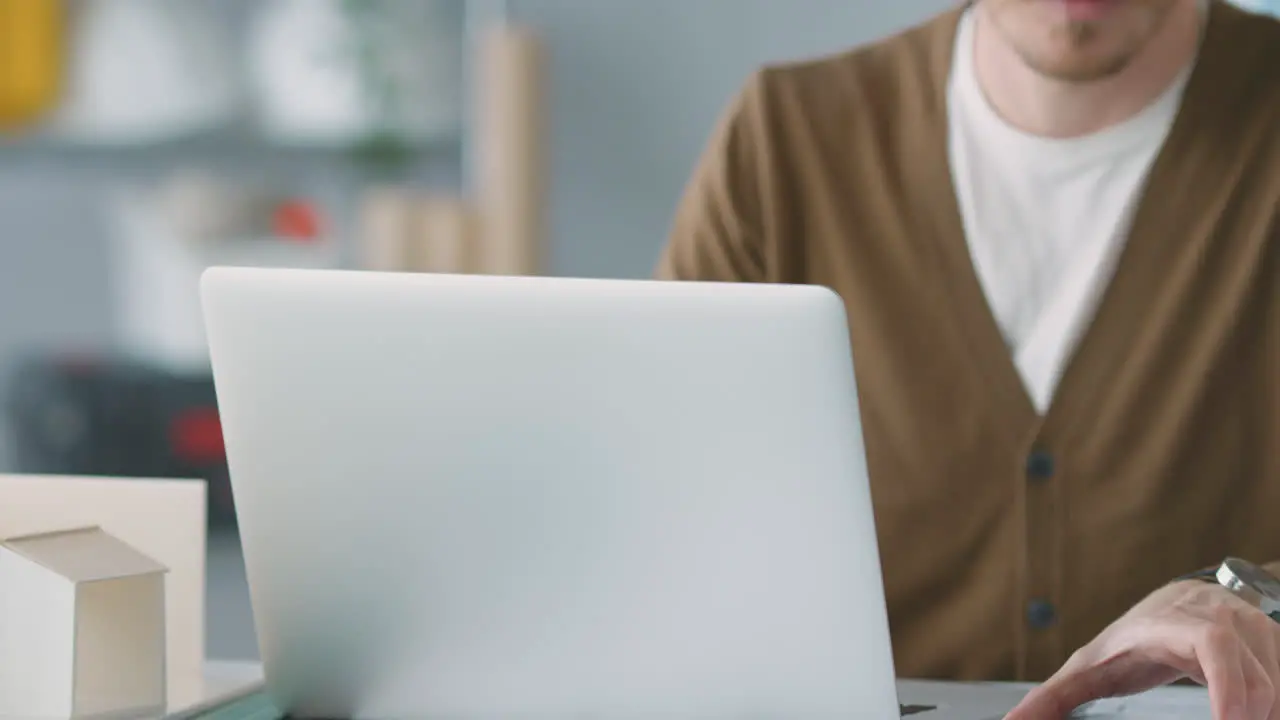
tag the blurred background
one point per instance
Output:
(143, 140)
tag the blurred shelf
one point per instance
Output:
(447, 156)
(234, 146)
(237, 32)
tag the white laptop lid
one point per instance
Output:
(519, 497)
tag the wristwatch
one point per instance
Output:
(1249, 582)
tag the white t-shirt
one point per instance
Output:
(1045, 218)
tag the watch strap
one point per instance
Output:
(1209, 574)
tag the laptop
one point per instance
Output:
(512, 497)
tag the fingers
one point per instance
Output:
(1272, 642)
(1262, 636)
(1080, 682)
(1057, 697)
(1240, 666)
(1220, 655)
(1259, 686)
(1240, 686)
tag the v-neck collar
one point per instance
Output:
(1182, 168)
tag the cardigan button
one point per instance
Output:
(1040, 466)
(1041, 614)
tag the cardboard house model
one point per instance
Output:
(82, 628)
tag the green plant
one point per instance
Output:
(384, 152)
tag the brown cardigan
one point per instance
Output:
(1010, 539)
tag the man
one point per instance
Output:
(1054, 224)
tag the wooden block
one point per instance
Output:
(511, 173)
(444, 239)
(385, 228)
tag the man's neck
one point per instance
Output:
(1047, 107)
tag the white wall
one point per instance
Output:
(637, 85)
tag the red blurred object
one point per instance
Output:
(196, 436)
(296, 220)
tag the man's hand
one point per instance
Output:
(1189, 629)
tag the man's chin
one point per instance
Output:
(1077, 70)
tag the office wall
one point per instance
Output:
(53, 263)
(636, 86)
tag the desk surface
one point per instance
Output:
(233, 692)
(225, 682)
(992, 700)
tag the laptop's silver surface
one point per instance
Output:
(516, 497)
